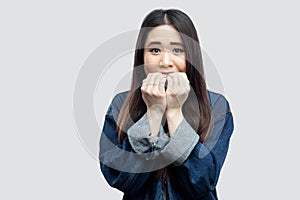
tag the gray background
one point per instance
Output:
(43, 44)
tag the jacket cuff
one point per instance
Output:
(181, 143)
(140, 138)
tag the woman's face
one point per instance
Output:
(164, 51)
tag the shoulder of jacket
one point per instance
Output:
(218, 101)
(120, 97)
(117, 103)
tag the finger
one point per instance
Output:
(183, 85)
(162, 83)
(170, 84)
(157, 77)
(183, 75)
(181, 80)
(144, 83)
(148, 82)
(185, 81)
(176, 83)
(156, 80)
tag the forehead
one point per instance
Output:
(164, 33)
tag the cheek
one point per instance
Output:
(147, 69)
(150, 63)
(151, 59)
(181, 64)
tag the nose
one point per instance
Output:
(166, 60)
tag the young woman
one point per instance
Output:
(166, 138)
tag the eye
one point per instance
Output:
(155, 51)
(178, 51)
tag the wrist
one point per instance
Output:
(155, 114)
(154, 119)
(174, 118)
(175, 112)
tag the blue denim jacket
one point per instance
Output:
(131, 166)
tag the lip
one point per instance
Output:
(166, 72)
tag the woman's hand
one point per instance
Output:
(153, 92)
(169, 101)
(177, 92)
(154, 96)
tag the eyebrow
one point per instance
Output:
(176, 43)
(152, 43)
(159, 43)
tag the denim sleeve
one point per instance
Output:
(121, 166)
(140, 138)
(199, 173)
(181, 144)
(174, 149)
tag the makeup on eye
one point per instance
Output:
(154, 50)
(157, 51)
(156, 47)
(178, 51)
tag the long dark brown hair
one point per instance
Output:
(196, 109)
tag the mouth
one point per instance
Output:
(166, 73)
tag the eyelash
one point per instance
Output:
(174, 51)
(180, 50)
(154, 49)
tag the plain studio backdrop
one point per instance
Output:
(254, 46)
